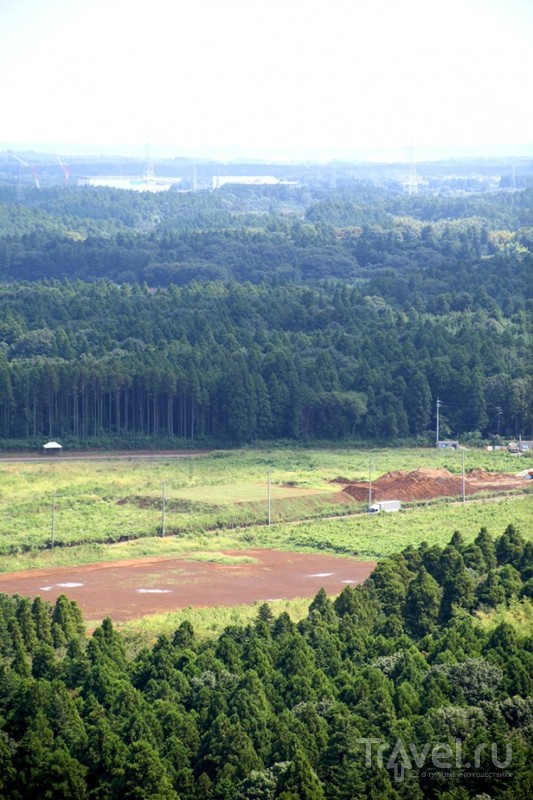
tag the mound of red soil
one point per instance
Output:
(482, 474)
(426, 484)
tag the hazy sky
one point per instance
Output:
(330, 77)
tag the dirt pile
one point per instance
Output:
(426, 484)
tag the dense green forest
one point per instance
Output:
(282, 711)
(256, 313)
(239, 362)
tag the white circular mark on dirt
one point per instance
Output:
(321, 575)
(153, 591)
(349, 580)
(68, 585)
(46, 588)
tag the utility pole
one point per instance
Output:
(438, 420)
(499, 412)
(463, 475)
(370, 483)
(163, 505)
(53, 522)
(268, 498)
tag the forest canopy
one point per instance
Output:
(259, 313)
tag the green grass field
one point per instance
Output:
(220, 501)
(109, 501)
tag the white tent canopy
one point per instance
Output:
(52, 446)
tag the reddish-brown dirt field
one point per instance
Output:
(426, 484)
(129, 589)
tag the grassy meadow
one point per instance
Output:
(219, 501)
(207, 622)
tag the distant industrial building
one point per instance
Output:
(250, 180)
(133, 184)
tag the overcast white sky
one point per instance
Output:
(334, 78)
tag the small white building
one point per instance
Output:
(131, 183)
(52, 449)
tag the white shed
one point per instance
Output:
(52, 448)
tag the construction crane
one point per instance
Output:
(66, 170)
(34, 169)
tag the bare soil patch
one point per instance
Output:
(171, 504)
(427, 484)
(135, 588)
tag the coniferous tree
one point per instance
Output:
(422, 603)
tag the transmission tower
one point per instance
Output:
(412, 179)
(34, 172)
(149, 173)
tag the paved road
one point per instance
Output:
(133, 456)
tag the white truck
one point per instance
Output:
(385, 505)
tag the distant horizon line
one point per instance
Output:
(383, 154)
